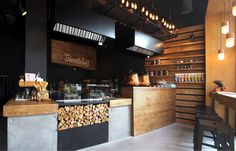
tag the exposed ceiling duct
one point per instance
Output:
(187, 7)
(70, 18)
(139, 42)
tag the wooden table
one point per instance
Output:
(228, 99)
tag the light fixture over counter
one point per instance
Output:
(149, 14)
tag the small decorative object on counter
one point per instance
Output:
(144, 79)
(220, 86)
(42, 93)
(132, 78)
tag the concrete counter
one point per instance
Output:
(31, 125)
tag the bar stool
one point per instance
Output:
(223, 135)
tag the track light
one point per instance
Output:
(22, 10)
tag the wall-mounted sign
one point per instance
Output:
(73, 54)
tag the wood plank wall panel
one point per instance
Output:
(152, 107)
(182, 47)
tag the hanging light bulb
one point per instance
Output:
(173, 26)
(143, 9)
(135, 6)
(132, 5)
(157, 17)
(153, 17)
(146, 13)
(221, 54)
(122, 1)
(150, 15)
(225, 27)
(234, 8)
(163, 20)
(230, 40)
(127, 4)
(165, 23)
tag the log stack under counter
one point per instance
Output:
(81, 115)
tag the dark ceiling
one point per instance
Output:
(172, 10)
(181, 13)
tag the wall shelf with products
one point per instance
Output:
(184, 61)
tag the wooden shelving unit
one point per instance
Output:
(188, 94)
(170, 64)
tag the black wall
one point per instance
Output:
(36, 37)
(12, 52)
(111, 62)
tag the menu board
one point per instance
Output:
(73, 54)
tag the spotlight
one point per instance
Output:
(22, 10)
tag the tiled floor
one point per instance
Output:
(175, 137)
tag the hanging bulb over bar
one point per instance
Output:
(122, 1)
(157, 17)
(146, 13)
(150, 15)
(135, 6)
(221, 54)
(153, 17)
(132, 5)
(230, 37)
(127, 4)
(234, 8)
(225, 27)
(165, 23)
(163, 20)
(143, 9)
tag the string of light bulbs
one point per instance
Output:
(148, 13)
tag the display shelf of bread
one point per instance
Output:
(82, 115)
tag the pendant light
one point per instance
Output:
(225, 24)
(230, 37)
(230, 40)
(234, 8)
(221, 53)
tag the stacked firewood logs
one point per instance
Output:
(81, 115)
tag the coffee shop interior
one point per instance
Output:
(117, 75)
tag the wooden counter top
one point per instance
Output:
(116, 102)
(23, 108)
(226, 98)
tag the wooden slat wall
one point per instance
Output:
(188, 95)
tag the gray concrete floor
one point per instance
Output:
(175, 137)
